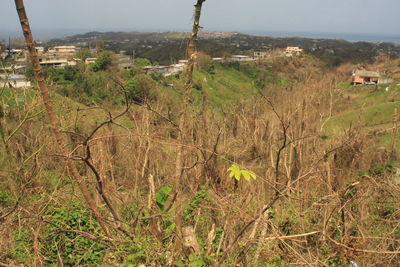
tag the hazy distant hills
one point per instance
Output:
(165, 47)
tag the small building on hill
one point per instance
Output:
(63, 49)
(366, 77)
(162, 70)
(40, 50)
(14, 81)
(124, 61)
(90, 60)
(293, 51)
(175, 69)
(218, 59)
(260, 54)
(239, 58)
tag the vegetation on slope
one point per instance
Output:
(336, 197)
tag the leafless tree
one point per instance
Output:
(53, 118)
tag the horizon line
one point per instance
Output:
(48, 34)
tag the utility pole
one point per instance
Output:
(9, 46)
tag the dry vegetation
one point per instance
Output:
(317, 200)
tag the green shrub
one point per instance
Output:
(103, 61)
(193, 205)
(6, 200)
(22, 251)
(73, 248)
(142, 62)
(162, 196)
(197, 86)
(141, 88)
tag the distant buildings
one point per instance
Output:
(260, 55)
(15, 69)
(14, 81)
(90, 60)
(176, 69)
(124, 61)
(162, 70)
(183, 61)
(241, 58)
(57, 57)
(365, 77)
(369, 77)
(63, 50)
(56, 62)
(293, 51)
(166, 71)
(18, 55)
(218, 59)
(40, 50)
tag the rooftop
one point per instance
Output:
(367, 73)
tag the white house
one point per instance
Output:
(40, 50)
(218, 59)
(125, 62)
(260, 54)
(64, 49)
(90, 60)
(163, 70)
(14, 81)
(293, 50)
(183, 61)
(241, 58)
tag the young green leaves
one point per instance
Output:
(237, 173)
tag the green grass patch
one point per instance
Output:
(364, 117)
(226, 86)
(387, 140)
(16, 97)
(371, 95)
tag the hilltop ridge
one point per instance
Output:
(167, 47)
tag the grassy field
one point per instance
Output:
(369, 108)
(226, 86)
(365, 106)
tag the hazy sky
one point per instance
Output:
(338, 16)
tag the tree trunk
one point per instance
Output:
(183, 136)
(191, 57)
(53, 118)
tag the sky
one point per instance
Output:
(61, 17)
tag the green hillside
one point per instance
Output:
(226, 85)
(366, 106)
(370, 109)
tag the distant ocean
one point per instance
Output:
(49, 34)
(375, 38)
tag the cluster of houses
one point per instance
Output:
(289, 51)
(167, 70)
(14, 81)
(56, 57)
(257, 55)
(62, 56)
